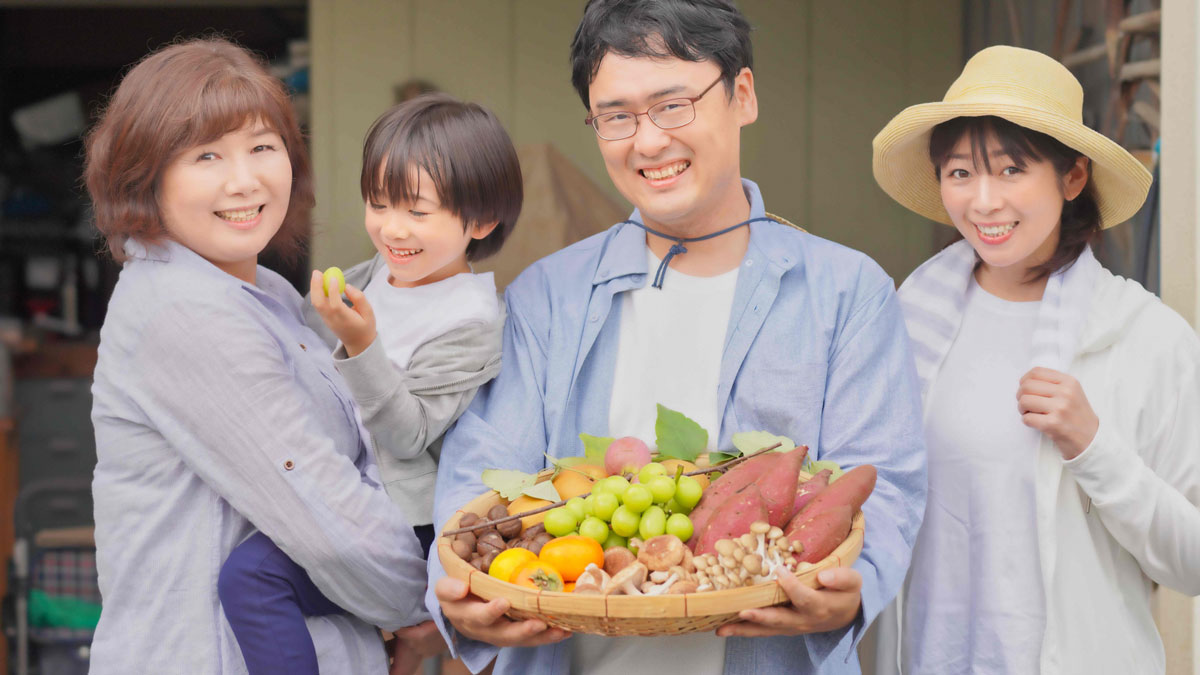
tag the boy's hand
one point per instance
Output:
(811, 611)
(1054, 404)
(354, 326)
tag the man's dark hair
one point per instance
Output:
(691, 30)
(463, 148)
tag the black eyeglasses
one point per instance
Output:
(670, 114)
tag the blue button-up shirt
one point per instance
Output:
(815, 350)
(217, 411)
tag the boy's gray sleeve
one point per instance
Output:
(405, 411)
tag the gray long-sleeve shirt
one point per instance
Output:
(217, 411)
(407, 407)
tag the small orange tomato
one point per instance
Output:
(570, 555)
(539, 576)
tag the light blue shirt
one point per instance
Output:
(218, 412)
(815, 350)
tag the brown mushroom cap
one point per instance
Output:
(661, 552)
(592, 581)
(630, 578)
(617, 558)
(683, 586)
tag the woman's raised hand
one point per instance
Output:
(1054, 404)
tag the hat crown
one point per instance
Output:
(1019, 76)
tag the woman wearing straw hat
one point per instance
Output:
(1060, 401)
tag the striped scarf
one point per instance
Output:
(934, 297)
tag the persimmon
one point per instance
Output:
(509, 562)
(538, 575)
(577, 480)
(570, 555)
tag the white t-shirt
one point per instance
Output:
(669, 352)
(406, 318)
(974, 601)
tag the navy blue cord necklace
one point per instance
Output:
(678, 247)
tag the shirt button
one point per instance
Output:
(289, 465)
(594, 318)
(749, 263)
(303, 347)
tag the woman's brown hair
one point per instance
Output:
(1080, 220)
(175, 98)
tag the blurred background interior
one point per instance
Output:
(829, 74)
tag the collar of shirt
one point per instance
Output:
(271, 289)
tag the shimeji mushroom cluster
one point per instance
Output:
(663, 565)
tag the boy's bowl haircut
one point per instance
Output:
(466, 152)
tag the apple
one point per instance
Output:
(626, 455)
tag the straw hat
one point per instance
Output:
(1024, 87)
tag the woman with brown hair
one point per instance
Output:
(1060, 400)
(217, 411)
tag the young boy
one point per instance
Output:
(441, 186)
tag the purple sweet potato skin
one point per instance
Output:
(809, 489)
(821, 533)
(732, 519)
(851, 490)
(778, 484)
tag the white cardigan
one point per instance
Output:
(1139, 365)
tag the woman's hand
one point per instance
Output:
(811, 611)
(414, 644)
(485, 621)
(354, 326)
(1054, 404)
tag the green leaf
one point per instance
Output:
(594, 447)
(753, 441)
(812, 468)
(678, 436)
(718, 457)
(566, 462)
(543, 490)
(510, 484)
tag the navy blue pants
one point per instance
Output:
(266, 597)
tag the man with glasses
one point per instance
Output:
(704, 303)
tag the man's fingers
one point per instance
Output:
(449, 589)
(745, 629)
(800, 595)
(841, 579)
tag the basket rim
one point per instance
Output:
(617, 607)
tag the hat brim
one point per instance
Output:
(903, 169)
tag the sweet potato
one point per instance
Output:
(778, 484)
(732, 519)
(851, 490)
(820, 533)
(810, 489)
(725, 487)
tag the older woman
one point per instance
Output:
(217, 411)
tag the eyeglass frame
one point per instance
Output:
(590, 119)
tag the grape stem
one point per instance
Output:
(484, 524)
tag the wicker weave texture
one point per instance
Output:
(621, 615)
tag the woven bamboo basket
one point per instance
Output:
(615, 615)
